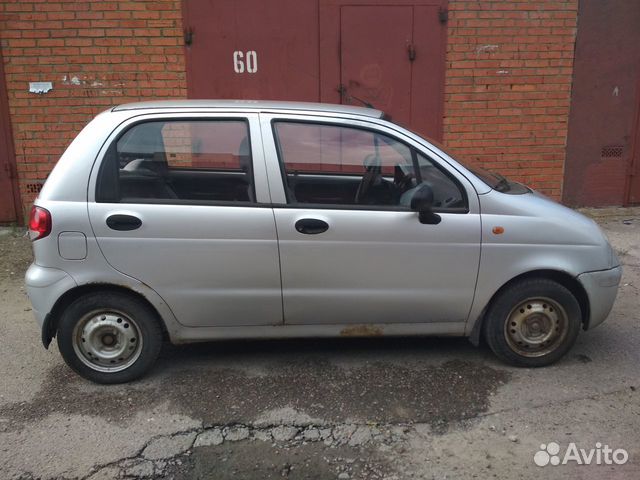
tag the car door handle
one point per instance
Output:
(123, 222)
(311, 226)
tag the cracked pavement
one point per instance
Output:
(371, 408)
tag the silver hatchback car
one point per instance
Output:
(202, 220)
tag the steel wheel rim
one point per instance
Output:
(107, 341)
(536, 327)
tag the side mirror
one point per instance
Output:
(422, 202)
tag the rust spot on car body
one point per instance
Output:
(361, 331)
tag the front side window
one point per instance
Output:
(191, 161)
(346, 166)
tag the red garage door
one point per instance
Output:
(252, 49)
(633, 189)
(375, 67)
(8, 188)
(349, 51)
(604, 101)
(392, 58)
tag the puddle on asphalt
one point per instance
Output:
(200, 386)
(374, 392)
(262, 461)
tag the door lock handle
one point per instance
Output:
(311, 226)
(123, 222)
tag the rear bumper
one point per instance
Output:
(601, 288)
(44, 287)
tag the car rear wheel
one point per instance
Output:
(533, 323)
(109, 337)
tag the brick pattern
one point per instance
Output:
(97, 54)
(508, 86)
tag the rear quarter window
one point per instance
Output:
(179, 161)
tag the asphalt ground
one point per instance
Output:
(371, 408)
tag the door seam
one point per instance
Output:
(273, 213)
(275, 224)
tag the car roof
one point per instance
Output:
(258, 105)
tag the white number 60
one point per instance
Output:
(251, 62)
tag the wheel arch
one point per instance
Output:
(50, 327)
(563, 278)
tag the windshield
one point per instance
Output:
(493, 179)
(498, 182)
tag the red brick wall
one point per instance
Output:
(507, 92)
(508, 86)
(97, 54)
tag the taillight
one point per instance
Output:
(39, 222)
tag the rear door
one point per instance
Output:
(183, 206)
(351, 249)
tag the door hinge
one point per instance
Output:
(9, 170)
(188, 36)
(443, 15)
(411, 50)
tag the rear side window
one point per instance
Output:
(186, 161)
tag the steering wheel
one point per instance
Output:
(371, 175)
(448, 202)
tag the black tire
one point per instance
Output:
(117, 325)
(532, 323)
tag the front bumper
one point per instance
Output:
(601, 288)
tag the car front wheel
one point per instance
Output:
(533, 323)
(109, 337)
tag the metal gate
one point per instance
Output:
(604, 100)
(633, 183)
(391, 58)
(9, 198)
(252, 49)
(387, 54)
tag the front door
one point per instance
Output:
(181, 206)
(351, 249)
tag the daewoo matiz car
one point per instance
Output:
(202, 220)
